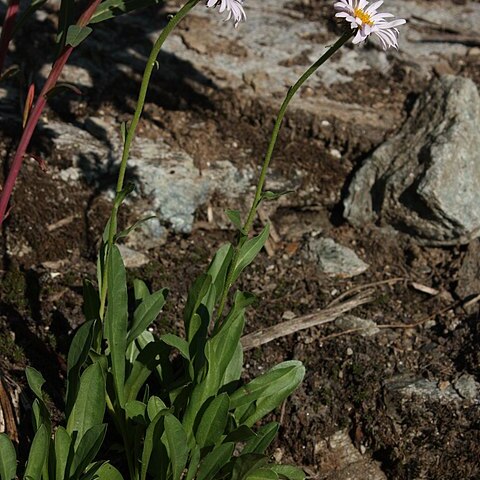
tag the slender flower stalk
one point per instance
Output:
(7, 30)
(268, 157)
(36, 112)
(151, 63)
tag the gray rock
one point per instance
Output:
(467, 387)
(167, 177)
(132, 258)
(334, 259)
(177, 187)
(422, 389)
(425, 180)
(342, 461)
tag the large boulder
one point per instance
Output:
(426, 180)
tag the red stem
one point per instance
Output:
(7, 29)
(36, 112)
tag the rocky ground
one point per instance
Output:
(382, 153)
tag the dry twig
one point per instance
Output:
(321, 317)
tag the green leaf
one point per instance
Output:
(140, 290)
(154, 431)
(215, 460)
(113, 8)
(108, 472)
(176, 342)
(262, 474)
(40, 412)
(235, 217)
(269, 196)
(249, 251)
(289, 472)
(87, 449)
(246, 464)
(8, 458)
(196, 294)
(122, 195)
(77, 355)
(35, 382)
(146, 313)
(65, 19)
(91, 472)
(240, 434)
(38, 454)
(267, 391)
(76, 35)
(126, 232)
(175, 440)
(63, 453)
(193, 464)
(154, 406)
(268, 383)
(235, 367)
(152, 355)
(91, 301)
(263, 439)
(221, 348)
(89, 407)
(135, 411)
(218, 268)
(116, 320)
(213, 422)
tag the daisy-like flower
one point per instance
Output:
(367, 20)
(233, 7)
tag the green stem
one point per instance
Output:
(152, 60)
(268, 156)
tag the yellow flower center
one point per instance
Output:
(364, 17)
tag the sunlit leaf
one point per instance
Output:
(8, 458)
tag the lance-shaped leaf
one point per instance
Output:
(89, 407)
(175, 440)
(218, 268)
(77, 355)
(116, 320)
(215, 460)
(235, 217)
(213, 422)
(262, 440)
(146, 313)
(87, 449)
(148, 359)
(266, 392)
(154, 431)
(246, 464)
(40, 412)
(249, 251)
(63, 453)
(38, 454)
(8, 458)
